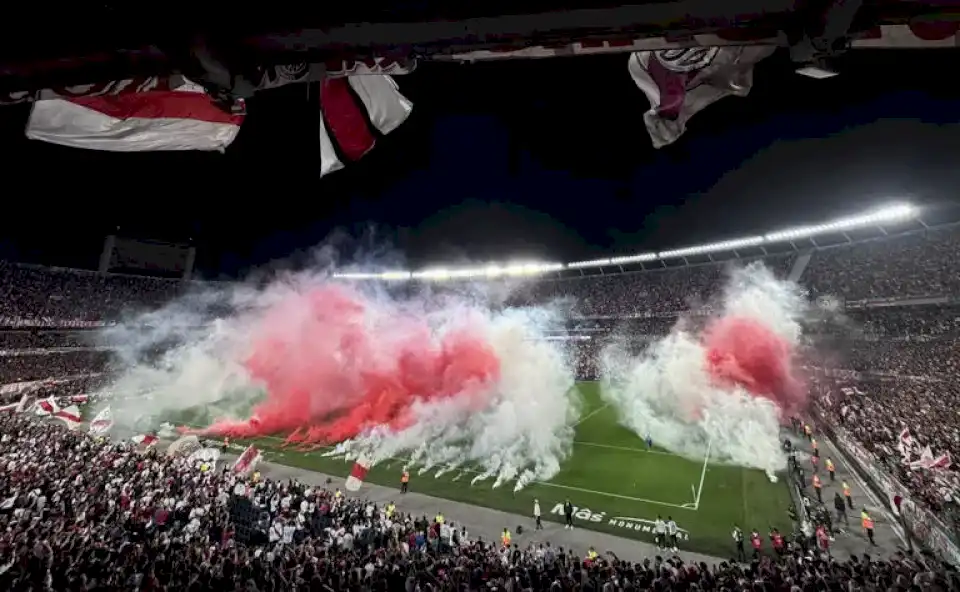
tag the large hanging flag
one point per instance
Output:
(355, 111)
(155, 115)
(679, 83)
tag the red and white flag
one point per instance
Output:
(143, 119)
(79, 398)
(248, 461)
(46, 407)
(358, 473)
(355, 111)
(102, 423)
(145, 440)
(70, 416)
(679, 83)
(10, 407)
(941, 463)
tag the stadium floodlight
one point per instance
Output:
(727, 245)
(888, 214)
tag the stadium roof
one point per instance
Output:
(886, 215)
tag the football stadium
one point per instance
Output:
(493, 342)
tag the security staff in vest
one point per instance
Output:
(867, 522)
(847, 495)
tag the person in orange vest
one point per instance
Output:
(831, 470)
(226, 443)
(846, 494)
(404, 480)
(505, 537)
(814, 445)
(807, 431)
(756, 541)
(817, 486)
(815, 461)
(867, 522)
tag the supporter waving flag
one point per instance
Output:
(45, 407)
(102, 423)
(145, 440)
(248, 461)
(70, 416)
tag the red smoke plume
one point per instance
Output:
(334, 364)
(746, 353)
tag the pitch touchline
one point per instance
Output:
(545, 484)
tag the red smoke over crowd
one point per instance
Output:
(746, 353)
(335, 364)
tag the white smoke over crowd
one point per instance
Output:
(410, 379)
(669, 392)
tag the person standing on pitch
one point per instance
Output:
(404, 480)
(568, 514)
(536, 514)
(738, 541)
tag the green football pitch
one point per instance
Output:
(614, 481)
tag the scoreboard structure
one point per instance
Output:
(145, 256)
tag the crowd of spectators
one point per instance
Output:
(67, 530)
(22, 366)
(83, 513)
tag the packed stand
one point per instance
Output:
(44, 339)
(654, 292)
(909, 266)
(18, 366)
(80, 513)
(876, 413)
(47, 295)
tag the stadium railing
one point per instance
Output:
(921, 524)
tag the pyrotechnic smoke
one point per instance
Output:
(445, 380)
(726, 387)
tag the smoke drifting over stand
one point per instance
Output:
(448, 381)
(725, 388)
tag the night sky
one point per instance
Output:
(525, 159)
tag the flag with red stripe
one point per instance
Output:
(355, 112)
(152, 118)
(70, 416)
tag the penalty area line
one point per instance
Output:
(591, 414)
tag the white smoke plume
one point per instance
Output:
(666, 391)
(186, 362)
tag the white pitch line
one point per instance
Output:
(591, 414)
(626, 448)
(554, 485)
(703, 474)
